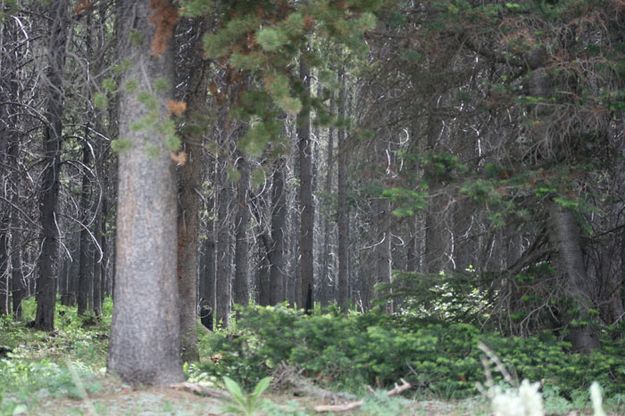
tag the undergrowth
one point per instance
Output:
(37, 366)
(335, 351)
(441, 359)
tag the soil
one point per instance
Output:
(115, 399)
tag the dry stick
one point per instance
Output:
(492, 358)
(398, 389)
(288, 378)
(199, 390)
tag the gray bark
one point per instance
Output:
(241, 257)
(343, 205)
(189, 175)
(48, 204)
(277, 276)
(307, 207)
(4, 267)
(145, 336)
(435, 237)
(18, 286)
(208, 270)
(325, 281)
(223, 284)
(565, 237)
(382, 250)
(85, 276)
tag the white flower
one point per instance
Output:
(524, 401)
(597, 400)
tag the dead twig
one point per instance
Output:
(286, 378)
(398, 389)
(199, 390)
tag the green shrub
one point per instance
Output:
(441, 359)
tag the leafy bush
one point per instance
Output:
(376, 349)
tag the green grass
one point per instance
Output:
(41, 366)
(341, 353)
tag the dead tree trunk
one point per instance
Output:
(278, 227)
(241, 257)
(46, 281)
(307, 207)
(343, 204)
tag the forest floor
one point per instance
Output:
(64, 373)
(115, 399)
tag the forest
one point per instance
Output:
(293, 207)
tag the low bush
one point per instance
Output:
(37, 365)
(442, 359)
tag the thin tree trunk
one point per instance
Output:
(382, 250)
(325, 281)
(277, 275)
(412, 249)
(46, 281)
(85, 276)
(4, 266)
(207, 276)
(223, 290)
(66, 296)
(565, 236)
(435, 239)
(105, 264)
(18, 286)
(343, 205)
(241, 258)
(189, 204)
(208, 270)
(263, 277)
(307, 207)
(97, 274)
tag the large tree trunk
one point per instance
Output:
(189, 204)
(46, 281)
(277, 275)
(145, 335)
(343, 205)
(241, 284)
(307, 207)
(565, 237)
